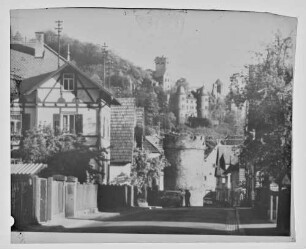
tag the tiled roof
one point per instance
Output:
(26, 65)
(154, 144)
(27, 169)
(123, 122)
(31, 82)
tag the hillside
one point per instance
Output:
(119, 72)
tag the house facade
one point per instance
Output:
(67, 101)
(209, 171)
(230, 177)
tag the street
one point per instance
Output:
(193, 220)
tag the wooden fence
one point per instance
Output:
(22, 204)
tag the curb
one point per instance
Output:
(239, 229)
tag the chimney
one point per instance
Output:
(39, 44)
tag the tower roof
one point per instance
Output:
(202, 90)
(219, 82)
(181, 90)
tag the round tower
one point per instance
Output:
(203, 103)
(185, 154)
(181, 105)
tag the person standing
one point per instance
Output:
(187, 198)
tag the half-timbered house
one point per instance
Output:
(67, 101)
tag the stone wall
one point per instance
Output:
(186, 156)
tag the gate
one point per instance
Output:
(70, 199)
(43, 200)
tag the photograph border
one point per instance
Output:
(287, 8)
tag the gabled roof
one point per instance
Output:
(123, 122)
(153, 144)
(27, 169)
(31, 84)
(232, 168)
(229, 152)
(25, 64)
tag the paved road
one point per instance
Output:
(193, 220)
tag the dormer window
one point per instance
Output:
(68, 81)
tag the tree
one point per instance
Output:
(268, 92)
(64, 153)
(39, 144)
(151, 109)
(145, 169)
(167, 121)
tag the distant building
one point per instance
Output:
(195, 104)
(185, 105)
(153, 145)
(217, 89)
(209, 171)
(230, 177)
(161, 73)
(203, 100)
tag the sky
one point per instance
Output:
(202, 46)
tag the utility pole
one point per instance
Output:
(109, 68)
(59, 29)
(104, 53)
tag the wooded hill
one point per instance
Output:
(89, 57)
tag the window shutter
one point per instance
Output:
(26, 121)
(56, 123)
(78, 123)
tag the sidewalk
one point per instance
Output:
(85, 220)
(249, 223)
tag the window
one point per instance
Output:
(68, 81)
(205, 178)
(16, 124)
(68, 123)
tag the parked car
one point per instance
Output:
(209, 199)
(172, 199)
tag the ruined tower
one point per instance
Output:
(185, 153)
(161, 74)
(217, 90)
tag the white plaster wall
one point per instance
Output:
(67, 95)
(89, 120)
(116, 170)
(209, 171)
(45, 116)
(105, 112)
